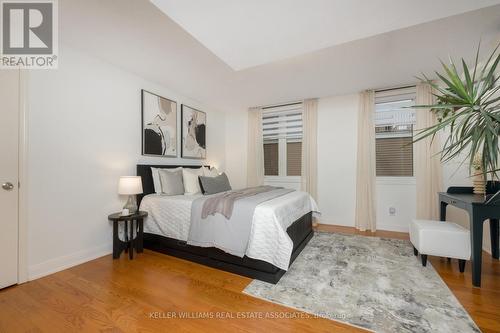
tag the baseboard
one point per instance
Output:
(331, 221)
(391, 227)
(385, 227)
(61, 263)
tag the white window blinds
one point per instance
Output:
(392, 108)
(282, 134)
(394, 122)
(284, 122)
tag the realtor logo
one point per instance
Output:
(29, 34)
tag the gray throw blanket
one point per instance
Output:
(210, 226)
(223, 203)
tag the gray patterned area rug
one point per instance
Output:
(375, 283)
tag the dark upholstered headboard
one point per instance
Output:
(144, 170)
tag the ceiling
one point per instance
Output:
(246, 33)
(138, 37)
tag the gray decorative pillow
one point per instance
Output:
(212, 185)
(171, 182)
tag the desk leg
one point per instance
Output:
(442, 211)
(476, 237)
(494, 234)
(116, 242)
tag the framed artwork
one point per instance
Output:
(193, 129)
(159, 125)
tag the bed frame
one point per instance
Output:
(300, 232)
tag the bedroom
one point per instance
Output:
(238, 66)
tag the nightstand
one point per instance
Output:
(134, 226)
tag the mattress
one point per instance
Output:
(170, 216)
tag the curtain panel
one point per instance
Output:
(309, 171)
(365, 214)
(428, 170)
(255, 160)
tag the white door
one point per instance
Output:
(9, 138)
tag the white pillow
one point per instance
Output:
(190, 178)
(171, 181)
(156, 179)
(213, 172)
(155, 172)
(206, 170)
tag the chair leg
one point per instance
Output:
(415, 251)
(424, 259)
(461, 265)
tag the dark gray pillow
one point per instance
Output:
(171, 182)
(212, 185)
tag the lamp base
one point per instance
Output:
(131, 204)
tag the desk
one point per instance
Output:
(462, 197)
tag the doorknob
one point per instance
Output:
(7, 186)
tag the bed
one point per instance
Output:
(167, 226)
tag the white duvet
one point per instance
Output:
(170, 216)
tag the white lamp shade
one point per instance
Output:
(130, 185)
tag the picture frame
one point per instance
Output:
(159, 125)
(193, 133)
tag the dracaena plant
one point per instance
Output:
(468, 106)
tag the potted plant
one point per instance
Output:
(477, 175)
(468, 106)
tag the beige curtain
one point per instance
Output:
(365, 215)
(309, 173)
(428, 172)
(255, 160)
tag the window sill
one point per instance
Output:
(283, 179)
(396, 181)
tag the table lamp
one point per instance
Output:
(130, 185)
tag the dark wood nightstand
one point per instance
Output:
(133, 222)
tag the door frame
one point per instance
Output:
(23, 149)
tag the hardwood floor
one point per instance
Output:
(139, 295)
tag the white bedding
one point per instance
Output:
(170, 216)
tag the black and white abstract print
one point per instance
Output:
(159, 125)
(193, 133)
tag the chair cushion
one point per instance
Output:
(437, 238)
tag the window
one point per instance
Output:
(271, 158)
(293, 157)
(282, 131)
(394, 123)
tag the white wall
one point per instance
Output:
(84, 133)
(337, 142)
(236, 147)
(399, 194)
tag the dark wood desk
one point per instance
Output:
(474, 204)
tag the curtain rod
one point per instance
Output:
(279, 105)
(300, 102)
(397, 88)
